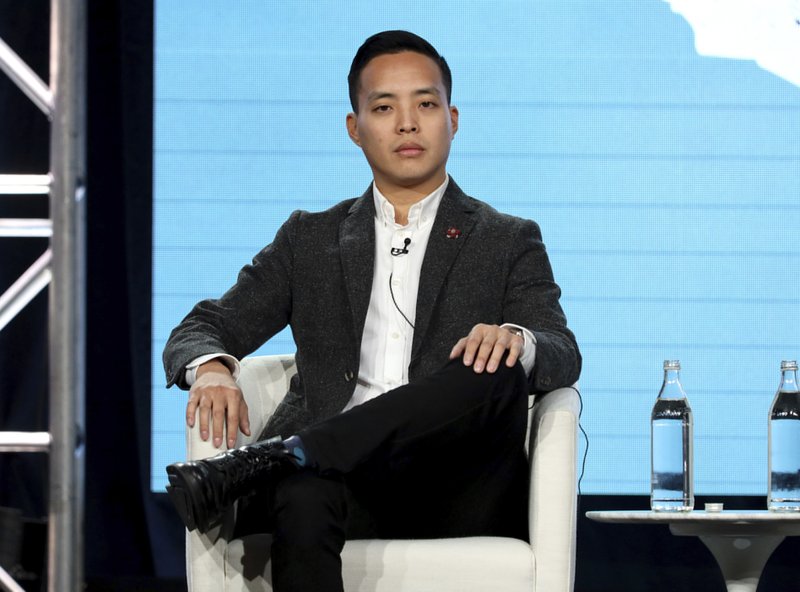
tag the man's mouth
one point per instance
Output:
(409, 149)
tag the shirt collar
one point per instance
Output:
(419, 213)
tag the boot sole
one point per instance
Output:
(178, 499)
(191, 508)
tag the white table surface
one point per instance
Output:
(740, 540)
(694, 516)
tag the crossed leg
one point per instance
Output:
(441, 457)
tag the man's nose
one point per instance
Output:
(407, 121)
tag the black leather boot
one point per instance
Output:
(202, 490)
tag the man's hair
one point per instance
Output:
(389, 42)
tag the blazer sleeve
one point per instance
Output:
(532, 301)
(257, 307)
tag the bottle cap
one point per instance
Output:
(672, 365)
(789, 365)
(714, 507)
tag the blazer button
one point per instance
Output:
(348, 375)
(546, 381)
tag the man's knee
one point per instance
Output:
(506, 378)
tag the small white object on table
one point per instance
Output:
(740, 540)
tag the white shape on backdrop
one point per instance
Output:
(766, 31)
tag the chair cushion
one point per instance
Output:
(442, 565)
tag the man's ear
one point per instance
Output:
(453, 121)
(352, 128)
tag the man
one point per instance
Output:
(422, 319)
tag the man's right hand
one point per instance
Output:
(216, 394)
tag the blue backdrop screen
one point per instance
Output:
(666, 184)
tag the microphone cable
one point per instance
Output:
(391, 291)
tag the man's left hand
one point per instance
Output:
(485, 345)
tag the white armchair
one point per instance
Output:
(216, 562)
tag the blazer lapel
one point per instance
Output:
(357, 244)
(453, 223)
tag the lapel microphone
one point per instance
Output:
(397, 252)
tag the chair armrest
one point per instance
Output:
(553, 493)
(205, 553)
(264, 381)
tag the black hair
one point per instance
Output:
(389, 42)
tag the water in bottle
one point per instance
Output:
(671, 454)
(784, 443)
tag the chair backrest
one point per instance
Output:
(264, 380)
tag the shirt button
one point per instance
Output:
(395, 335)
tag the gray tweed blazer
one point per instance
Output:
(480, 266)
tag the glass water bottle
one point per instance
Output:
(784, 443)
(671, 478)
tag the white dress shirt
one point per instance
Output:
(388, 328)
(388, 332)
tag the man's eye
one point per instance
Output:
(427, 104)
(381, 108)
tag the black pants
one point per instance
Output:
(442, 457)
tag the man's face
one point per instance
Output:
(404, 124)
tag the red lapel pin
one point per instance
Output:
(452, 232)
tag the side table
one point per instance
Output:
(741, 541)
